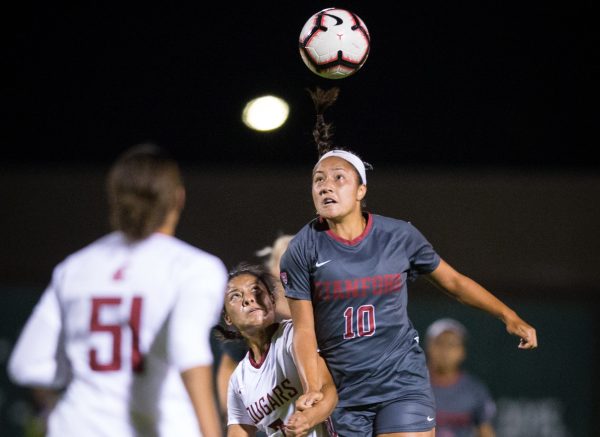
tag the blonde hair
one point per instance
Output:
(275, 251)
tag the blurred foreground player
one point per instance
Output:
(124, 324)
(464, 406)
(275, 252)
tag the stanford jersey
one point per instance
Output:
(263, 394)
(122, 321)
(359, 295)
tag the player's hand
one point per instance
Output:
(525, 332)
(308, 399)
(297, 425)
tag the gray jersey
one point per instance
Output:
(359, 294)
(463, 406)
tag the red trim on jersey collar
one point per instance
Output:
(356, 240)
(263, 357)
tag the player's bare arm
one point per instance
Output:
(305, 352)
(226, 367)
(469, 292)
(198, 383)
(303, 421)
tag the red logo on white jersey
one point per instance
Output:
(119, 274)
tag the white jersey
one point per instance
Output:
(117, 325)
(264, 394)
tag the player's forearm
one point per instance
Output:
(226, 368)
(305, 345)
(469, 292)
(322, 409)
(208, 417)
(306, 357)
(199, 385)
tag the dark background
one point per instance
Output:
(448, 83)
(472, 115)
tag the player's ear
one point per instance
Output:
(227, 319)
(361, 192)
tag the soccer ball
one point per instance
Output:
(334, 43)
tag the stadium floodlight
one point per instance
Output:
(265, 113)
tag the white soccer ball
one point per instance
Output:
(334, 43)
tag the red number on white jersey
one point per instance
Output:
(278, 425)
(115, 363)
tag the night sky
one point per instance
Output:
(445, 84)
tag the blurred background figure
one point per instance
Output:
(464, 405)
(232, 352)
(124, 325)
(273, 254)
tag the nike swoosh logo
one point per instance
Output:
(318, 264)
(338, 20)
(429, 419)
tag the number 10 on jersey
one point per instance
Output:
(365, 322)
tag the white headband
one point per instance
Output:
(352, 159)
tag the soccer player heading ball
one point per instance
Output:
(345, 275)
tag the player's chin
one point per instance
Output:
(329, 212)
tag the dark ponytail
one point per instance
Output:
(323, 132)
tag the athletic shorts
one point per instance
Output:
(396, 415)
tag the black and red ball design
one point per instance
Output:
(334, 43)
